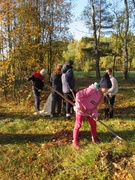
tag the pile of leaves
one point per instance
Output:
(119, 166)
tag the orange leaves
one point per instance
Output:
(118, 167)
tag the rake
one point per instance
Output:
(72, 103)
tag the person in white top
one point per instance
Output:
(109, 99)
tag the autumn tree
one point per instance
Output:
(56, 16)
(35, 33)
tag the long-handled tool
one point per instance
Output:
(72, 103)
(118, 137)
(73, 94)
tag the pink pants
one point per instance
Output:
(78, 125)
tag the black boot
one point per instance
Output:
(111, 113)
(106, 113)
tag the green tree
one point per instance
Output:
(123, 23)
(98, 20)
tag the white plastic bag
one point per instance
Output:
(47, 107)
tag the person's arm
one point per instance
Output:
(30, 78)
(69, 78)
(51, 80)
(81, 95)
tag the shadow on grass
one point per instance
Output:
(6, 138)
(108, 136)
(125, 112)
(21, 115)
(64, 136)
(121, 112)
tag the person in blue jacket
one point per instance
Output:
(68, 85)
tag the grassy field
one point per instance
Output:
(39, 148)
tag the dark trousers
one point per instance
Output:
(56, 103)
(36, 94)
(109, 102)
(68, 105)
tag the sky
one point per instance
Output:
(77, 28)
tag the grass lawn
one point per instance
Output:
(39, 148)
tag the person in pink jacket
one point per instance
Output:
(86, 104)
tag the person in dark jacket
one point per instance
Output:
(37, 79)
(56, 83)
(68, 85)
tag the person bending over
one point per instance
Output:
(86, 104)
(37, 79)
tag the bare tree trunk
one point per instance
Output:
(97, 56)
(50, 55)
(125, 41)
(114, 60)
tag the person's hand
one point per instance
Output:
(105, 94)
(39, 90)
(76, 109)
(95, 118)
(26, 78)
(71, 90)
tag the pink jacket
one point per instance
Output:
(87, 101)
